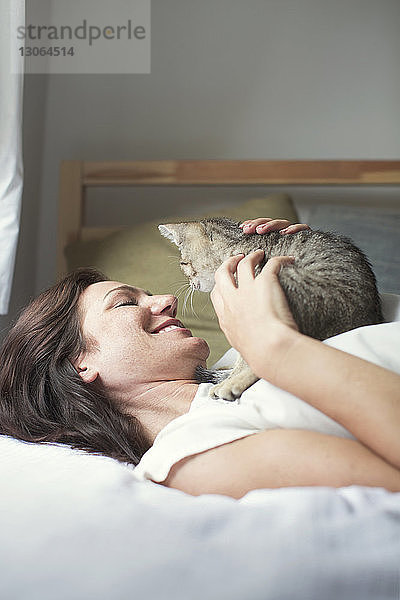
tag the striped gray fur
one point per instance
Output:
(330, 287)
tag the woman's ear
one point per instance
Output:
(86, 372)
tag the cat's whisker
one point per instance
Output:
(191, 299)
(173, 259)
(182, 299)
(180, 289)
(181, 292)
(174, 283)
(191, 304)
(186, 300)
(202, 308)
(177, 291)
(183, 302)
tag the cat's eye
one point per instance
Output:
(182, 263)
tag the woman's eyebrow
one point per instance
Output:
(125, 288)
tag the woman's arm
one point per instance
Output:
(282, 458)
(361, 396)
(256, 319)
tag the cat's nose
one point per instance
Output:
(167, 304)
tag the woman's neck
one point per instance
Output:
(158, 404)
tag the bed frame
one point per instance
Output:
(76, 176)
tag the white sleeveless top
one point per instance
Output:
(210, 423)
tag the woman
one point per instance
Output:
(105, 367)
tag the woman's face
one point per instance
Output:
(136, 338)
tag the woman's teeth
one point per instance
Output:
(169, 328)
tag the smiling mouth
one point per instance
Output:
(169, 325)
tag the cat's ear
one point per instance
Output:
(173, 232)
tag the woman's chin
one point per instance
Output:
(202, 347)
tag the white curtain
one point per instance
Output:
(11, 87)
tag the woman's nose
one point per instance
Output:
(167, 304)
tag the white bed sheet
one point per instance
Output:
(81, 527)
(75, 526)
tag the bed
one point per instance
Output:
(137, 253)
(76, 526)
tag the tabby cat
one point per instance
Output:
(330, 287)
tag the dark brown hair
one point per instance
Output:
(42, 397)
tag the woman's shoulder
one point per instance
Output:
(208, 424)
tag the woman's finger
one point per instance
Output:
(225, 274)
(246, 267)
(273, 225)
(216, 299)
(273, 266)
(295, 228)
(250, 225)
(263, 225)
(224, 282)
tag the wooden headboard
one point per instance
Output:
(77, 176)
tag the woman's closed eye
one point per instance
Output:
(130, 302)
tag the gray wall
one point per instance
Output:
(230, 79)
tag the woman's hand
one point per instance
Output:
(252, 311)
(265, 225)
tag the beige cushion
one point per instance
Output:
(140, 256)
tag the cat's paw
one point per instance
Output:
(233, 386)
(227, 390)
